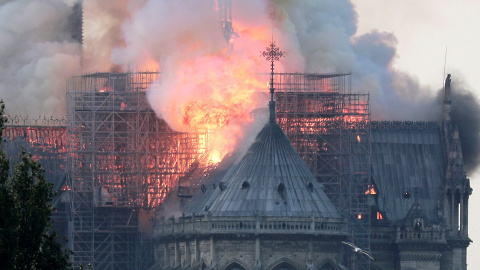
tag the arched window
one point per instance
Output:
(327, 266)
(234, 266)
(284, 266)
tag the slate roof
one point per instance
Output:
(407, 158)
(270, 180)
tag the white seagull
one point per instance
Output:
(359, 250)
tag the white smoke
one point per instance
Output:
(37, 56)
(103, 20)
(204, 84)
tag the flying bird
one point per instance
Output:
(359, 250)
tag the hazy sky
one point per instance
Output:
(423, 30)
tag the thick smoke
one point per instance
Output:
(182, 37)
(37, 56)
(466, 116)
(324, 32)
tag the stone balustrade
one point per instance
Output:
(431, 235)
(207, 225)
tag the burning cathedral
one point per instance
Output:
(322, 186)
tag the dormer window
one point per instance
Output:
(310, 187)
(418, 224)
(281, 188)
(222, 186)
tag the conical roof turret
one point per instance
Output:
(270, 180)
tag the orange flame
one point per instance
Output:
(215, 94)
(210, 86)
(371, 190)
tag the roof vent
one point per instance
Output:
(281, 188)
(245, 185)
(310, 186)
(406, 195)
(222, 186)
(203, 188)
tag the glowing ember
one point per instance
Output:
(216, 157)
(106, 89)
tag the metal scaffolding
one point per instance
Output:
(330, 128)
(120, 161)
(123, 162)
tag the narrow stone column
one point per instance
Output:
(212, 251)
(446, 211)
(197, 251)
(177, 254)
(188, 257)
(465, 216)
(462, 214)
(166, 256)
(452, 212)
(310, 250)
(257, 249)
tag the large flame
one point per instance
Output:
(209, 86)
(213, 94)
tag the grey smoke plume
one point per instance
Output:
(325, 34)
(37, 56)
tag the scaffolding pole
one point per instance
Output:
(330, 128)
(122, 160)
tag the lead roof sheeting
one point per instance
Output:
(405, 160)
(270, 160)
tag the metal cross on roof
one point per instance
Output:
(272, 53)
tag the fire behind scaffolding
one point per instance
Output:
(120, 156)
(121, 161)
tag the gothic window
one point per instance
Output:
(284, 266)
(234, 266)
(327, 267)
